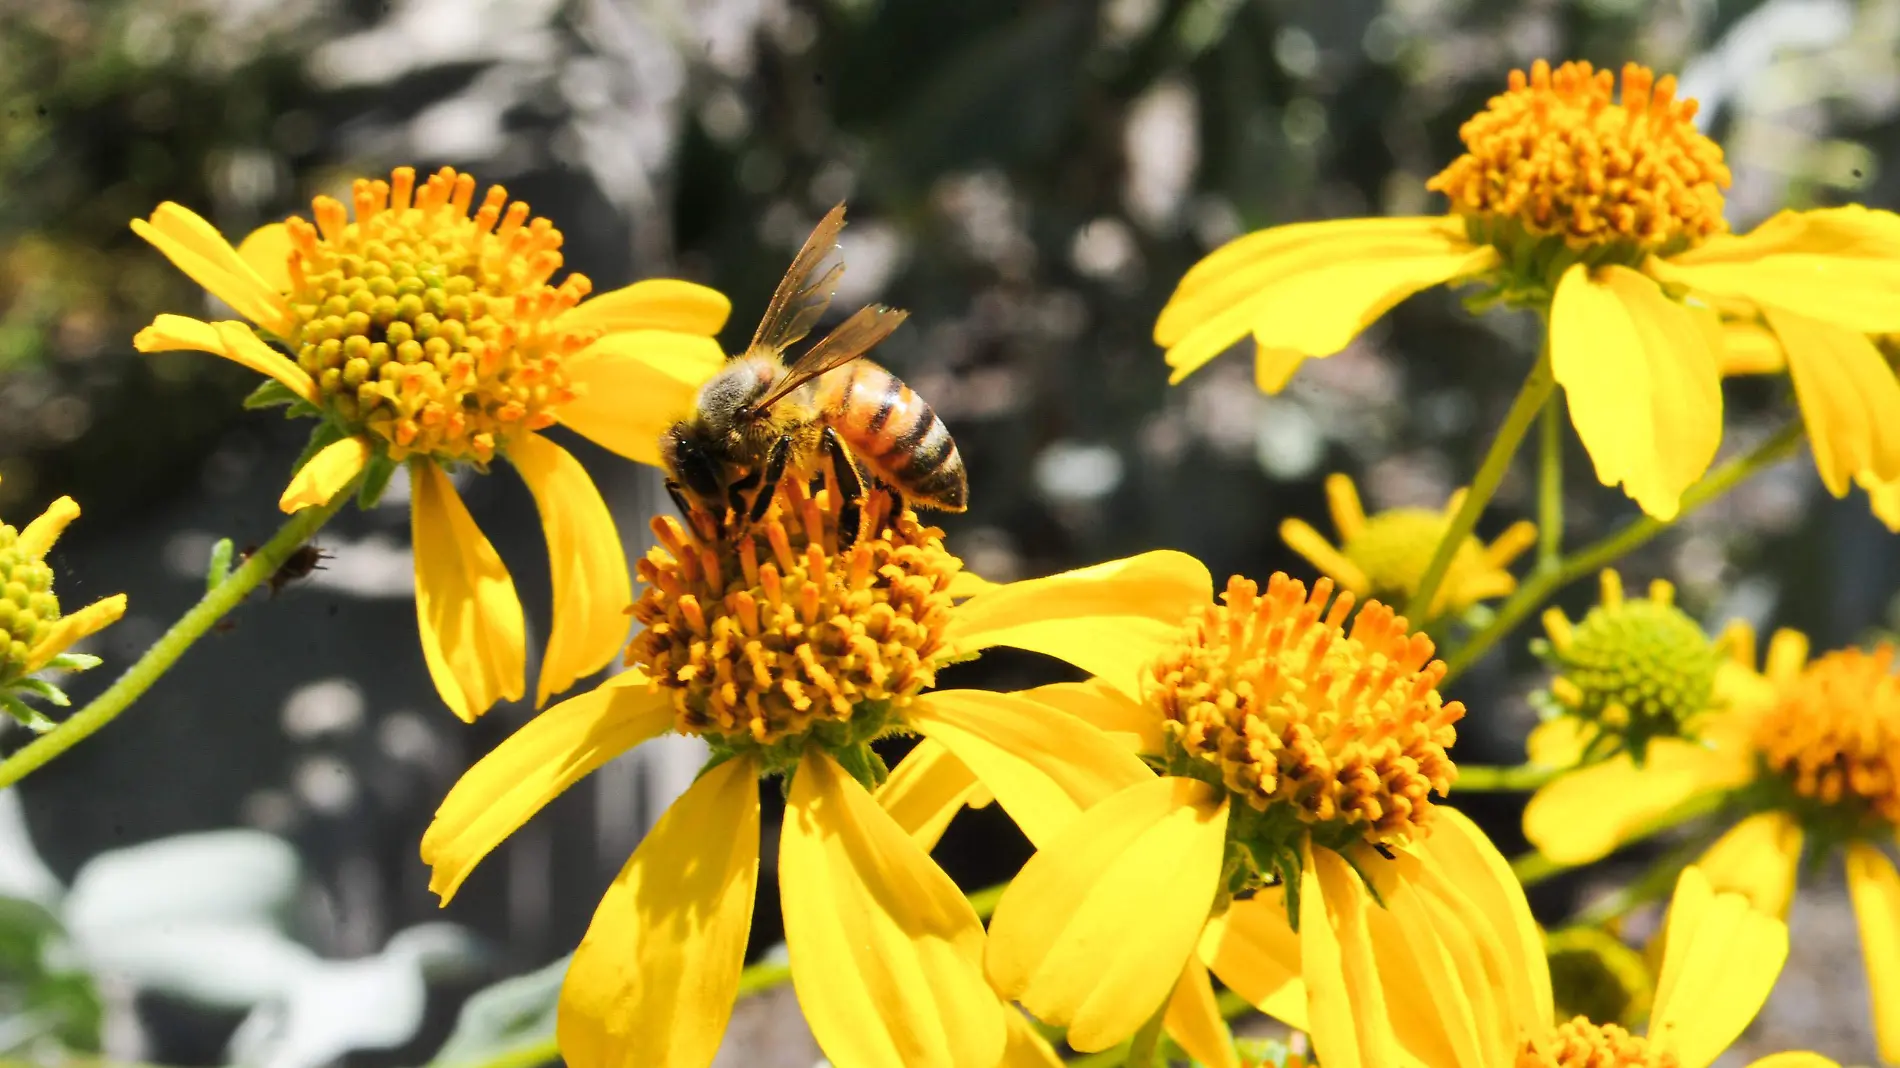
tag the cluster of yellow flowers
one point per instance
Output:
(1249, 787)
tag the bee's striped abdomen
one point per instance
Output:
(895, 433)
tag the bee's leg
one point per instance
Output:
(679, 499)
(775, 462)
(848, 484)
(737, 490)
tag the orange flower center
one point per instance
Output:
(1834, 735)
(1582, 1044)
(433, 329)
(777, 636)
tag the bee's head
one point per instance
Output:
(693, 462)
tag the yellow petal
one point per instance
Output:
(38, 537)
(1883, 499)
(654, 980)
(1559, 742)
(654, 304)
(1112, 711)
(1346, 1007)
(1849, 399)
(550, 753)
(1750, 349)
(326, 474)
(1342, 502)
(1720, 959)
(73, 626)
(195, 247)
(1194, 1021)
(1257, 954)
(1455, 959)
(233, 341)
(591, 587)
(1461, 857)
(1092, 934)
(1044, 766)
(886, 952)
(1585, 814)
(1794, 1060)
(267, 249)
(1110, 620)
(1640, 375)
(633, 386)
(968, 584)
(1758, 858)
(1300, 536)
(1837, 265)
(473, 638)
(1875, 888)
(926, 790)
(1024, 1046)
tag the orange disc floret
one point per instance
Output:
(1345, 728)
(1582, 1044)
(1833, 734)
(430, 327)
(766, 635)
(1558, 154)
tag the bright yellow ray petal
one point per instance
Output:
(1450, 950)
(1024, 1046)
(195, 247)
(591, 586)
(1194, 1021)
(654, 304)
(1794, 1059)
(73, 626)
(1093, 932)
(1639, 373)
(1559, 742)
(1300, 536)
(1849, 399)
(926, 790)
(1342, 502)
(1044, 766)
(1460, 854)
(267, 250)
(1110, 620)
(473, 637)
(1874, 886)
(1111, 710)
(968, 584)
(633, 386)
(1585, 814)
(1256, 952)
(1787, 655)
(38, 537)
(886, 952)
(1835, 264)
(1720, 960)
(233, 341)
(1750, 349)
(1346, 1007)
(326, 474)
(550, 753)
(1883, 499)
(1508, 546)
(1757, 858)
(654, 979)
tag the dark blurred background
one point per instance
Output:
(1028, 178)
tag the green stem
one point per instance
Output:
(1536, 389)
(165, 652)
(1479, 778)
(1550, 484)
(1144, 1051)
(1539, 586)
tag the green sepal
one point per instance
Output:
(271, 394)
(376, 476)
(220, 568)
(42, 688)
(322, 437)
(29, 717)
(74, 662)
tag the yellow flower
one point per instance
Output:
(422, 333)
(789, 655)
(1811, 751)
(1385, 556)
(1608, 215)
(34, 634)
(1298, 760)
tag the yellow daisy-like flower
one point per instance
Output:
(1384, 556)
(1606, 212)
(425, 330)
(1812, 750)
(1298, 760)
(789, 654)
(34, 634)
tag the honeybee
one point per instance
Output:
(760, 417)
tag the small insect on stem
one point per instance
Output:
(298, 565)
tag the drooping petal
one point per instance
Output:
(1455, 959)
(1849, 399)
(39, 535)
(1585, 814)
(1194, 1021)
(1300, 536)
(1337, 276)
(1110, 620)
(73, 626)
(233, 341)
(473, 637)
(1794, 1059)
(653, 304)
(1758, 858)
(631, 387)
(195, 247)
(1874, 886)
(886, 952)
(1720, 959)
(968, 584)
(1111, 710)
(1345, 1004)
(1836, 265)
(1750, 349)
(326, 474)
(1044, 766)
(1639, 372)
(550, 753)
(267, 249)
(1093, 932)
(926, 790)
(591, 586)
(1256, 953)
(1024, 1046)
(1559, 742)
(1883, 499)
(654, 979)
(1462, 857)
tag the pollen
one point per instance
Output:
(778, 636)
(1833, 736)
(1558, 155)
(427, 320)
(1634, 668)
(1273, 698)
(28, 608)
(1582, 1044)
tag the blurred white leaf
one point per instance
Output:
(515, 1012)
(217, 876)
(218, 964)
(22, 873)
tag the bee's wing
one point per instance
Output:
(853, 338)
(804, 293)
